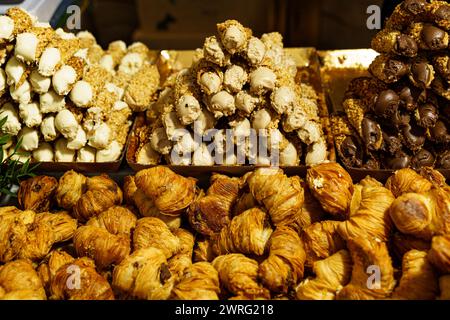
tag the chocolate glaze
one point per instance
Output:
(444, 160)
(414, 6)
(400, 161)
(443, 12)
(427, 115)
(434, 37)
(391, 141)
(386, 103)
(413, 136)
(395, 69)
(351, 152)
(371, 133)
(421, 72)
(439, 132)
(406, 46)
(407, 99)
(423, 158)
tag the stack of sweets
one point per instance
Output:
(64, 96)
(237, 83)
(400, 117)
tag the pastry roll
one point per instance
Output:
(388, 69)
(31, 44)
(394, 42)
(428, 36)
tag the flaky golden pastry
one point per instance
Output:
(407, 180)
(144, 275)
(439, 254)
(285, 264)
(36, 193)
(70, 188)
(444, 287)
(203, 251)
(402, 243)
(239, 275)
(117, 220)
(61, 223)
(247, 233)
(419, 280)
(332, 186)
(51, 264)
(331, 273)
(183, 258)
(199, 282)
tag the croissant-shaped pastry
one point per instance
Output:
(78, 280)
(285, 264)
(422, 215)
(439, 254)
(244, 202)
(402, 243)
(37, 242)
(372, 273)
(332, 186)
(61, 223)
(36, 193)
(311, 206)
(117, 220)
(203, 252)
(170, 192)
(444, 287)
(70, 188)
(51, 264)
(152, 232)
(369, 212)
(239, 275)
(103, 247)
(200, 282)
(321, 240)
(331, 273)
(101, 194)
(144, 275)
(281, 196)
(247, 233)
(419, 280)
(183, 259)
(19, 281)
(407, 180)
(434, 176)
(210, 213)
(145, 205)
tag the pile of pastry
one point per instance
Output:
(65, 97)
(239, 86)
(261, 236)
(400, 116)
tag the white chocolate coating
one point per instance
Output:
(204, 122)
(245, 102)
(261, 119)
(111, 87)
(51, 102)
(100, 138)
(66, 123)
(241, 127)
(44, 153)
(256, 51)
(107, 62)
(62, 153)
(147, 155)
(30, 139)
(294, 120)
(79, 141)
(48, 128)
(81, 94)
(22, 94)
(159, 141)
(213, 52)
(6, 28)
(39, 83)
(210, 82)
(30, 114)
(26, 47)
(188, 109)
(262, 80)
(64, 79)
(234, 78)
(86, 154)
(186, 144)
(233, 38)
(12, 125)
(50, 58)
(310, 132)
(110, 153)
(131, 63)
(14, 70)
(283, 99)
(174, 128)
(202, 156)
(317, 153)
(222, 104)
(289, 156)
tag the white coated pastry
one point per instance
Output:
(202, 156)
(255, 51)
(14, 70)
(12, 125)
(48, 62)
(39, 83)
(3, 82)
(64, 79)
(245, 102)
(159, 141)
(62, 153)
(262, 80)
(289, 156)
(30, 139)
(111, 87)
(222, 104)
(234, 38)
(81, 94)
(234, 78)
(294, 120)
(48, 128)
(317, 153)
(186, 144)
(6, 28)
(110, 153)
(204, 122)
(79, 141)
(100, 137)
(310, 132)
(188, 109)
(51, 102)
(26, 47)
(44, 153)
(283, 99)
(107, 62)
(174, 127)
(21, 155)
(22, 94)
(212, 51)
(241, 128)
(131, 63)
(86, 154)
(147, 155)
(66, 123)
(210, 82)
(261, 119)
(30, 114)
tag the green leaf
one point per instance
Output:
(3, 121)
